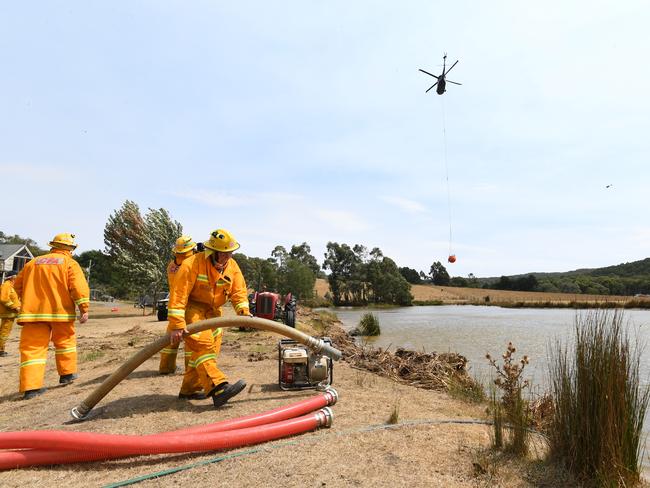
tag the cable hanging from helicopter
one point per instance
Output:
(441, 83)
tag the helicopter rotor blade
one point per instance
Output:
(454, 82)
(431, 87)
(451, 67)
(429, 74)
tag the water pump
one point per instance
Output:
(299, 368)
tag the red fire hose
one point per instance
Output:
(70, 449)
(62, 447)
(328, 398)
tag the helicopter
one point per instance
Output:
(442, 82)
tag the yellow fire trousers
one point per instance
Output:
(5, 330)
(168, 357)
(201, 372)
(34, 340)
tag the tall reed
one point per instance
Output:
(599, 402)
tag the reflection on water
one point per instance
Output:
(475, 330)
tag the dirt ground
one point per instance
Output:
(358, 450)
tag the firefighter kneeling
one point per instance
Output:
(203, 283)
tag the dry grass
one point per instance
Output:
(416, 454)
(479, 296)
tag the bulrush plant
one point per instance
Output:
(599, 402)
(511, 406)
(369, 325)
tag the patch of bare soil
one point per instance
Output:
(360, 449)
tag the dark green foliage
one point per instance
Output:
(260, 274)
(600, 401)
(411, 275)
(302, 254)
(522, 283)
(439, 274)
(458, 281)
(140, 247)
(297, 278)
(359, 277)
(103, 275)
(282, 272)
(623, 279)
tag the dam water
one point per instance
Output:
(474, 331)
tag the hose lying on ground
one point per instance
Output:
(68, 450)
(29, 439)
(63, 447)
(81, 411)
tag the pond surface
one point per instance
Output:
(474, 331)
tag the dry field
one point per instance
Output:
(357, 451)
(478, 296)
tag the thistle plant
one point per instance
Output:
(512, 405)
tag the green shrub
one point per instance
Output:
(369, 325)
(599, 402)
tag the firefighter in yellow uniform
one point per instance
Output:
(9, 307)
(50, 286)
(184, 248)
(204, 282)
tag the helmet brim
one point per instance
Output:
(60, 245)
(207, 247)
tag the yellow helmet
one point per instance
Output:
(184, 244)
(221, 240)
(63, 241)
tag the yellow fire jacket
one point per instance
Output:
(50, 286)
(173, 267)
(9, 301)
(198, 282)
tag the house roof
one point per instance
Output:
(8, 250)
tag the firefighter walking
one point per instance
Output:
(9, 308)
(50, 286)
(184, 248)
(203, 283)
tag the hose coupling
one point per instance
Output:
(322, 347)
(80, 411)
(325, 417)
(332, 396)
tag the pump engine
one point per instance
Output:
(299, 368)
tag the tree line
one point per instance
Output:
(138, 247)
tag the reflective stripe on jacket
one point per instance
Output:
(9, 301)
(51, 287)
(198, 281)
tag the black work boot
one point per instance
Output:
(225, 391)
(66, 379)
(29, 394)
(197, 395)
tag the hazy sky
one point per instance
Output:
(286, 122)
